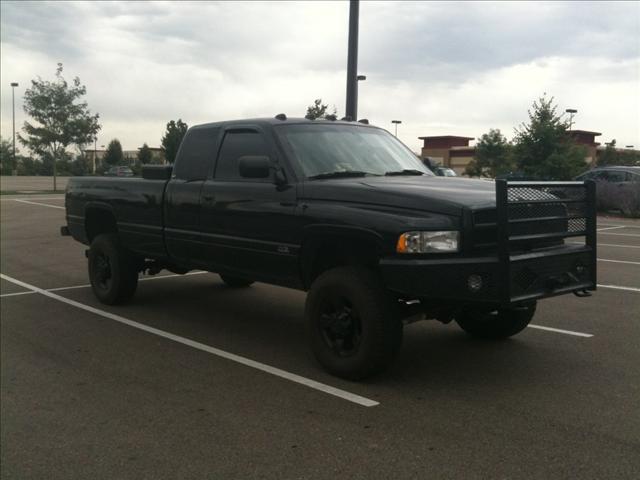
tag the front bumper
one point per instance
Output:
(530, 276)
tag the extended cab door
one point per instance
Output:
(182, 199)
(249, 223)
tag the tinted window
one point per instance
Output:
(196, 153)
(238, 144)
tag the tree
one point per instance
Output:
(610, 155)
(7, 163)
(492, 157)
(543, 147)
(113, 155)
(60, 117)
(318, 110)
(144, 155)
(172, 138)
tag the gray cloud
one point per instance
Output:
(458, 68)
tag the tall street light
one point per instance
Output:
(13, 101)
(571, 112)
(396, 123)
(351, 109)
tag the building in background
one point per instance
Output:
(454, 152)
(450, 151)
(588, 140)
(95, 156)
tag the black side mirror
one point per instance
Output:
(254, 166)
(157, 172)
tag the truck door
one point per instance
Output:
(182, 199)
(248, 223)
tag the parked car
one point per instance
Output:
(119, 172)
(444, 172)
(348, 213)
(623, 174)
(617, 188)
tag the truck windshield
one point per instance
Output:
(323, 150)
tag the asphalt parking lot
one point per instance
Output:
(195, 380)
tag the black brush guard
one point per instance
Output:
(545, 212)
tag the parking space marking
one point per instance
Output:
(60, 197)
(36, 203)
(612, 227)
(343, 394)
(617, 287)
(87, 285)
(28, 292)
(620, 234)
(607, 245)
(559, 330)
(618, 261)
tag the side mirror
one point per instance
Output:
(254, 166)
(157, 172)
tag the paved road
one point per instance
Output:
(85, 395)
(13, 184)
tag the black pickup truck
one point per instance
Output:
(344, 211)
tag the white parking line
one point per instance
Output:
(620, 234)
(60, 197)
(613, 227)
(617, 287)
(351, 397)
(618, 261)
(36, 203)
(607, 245)
(86, 285)
(558, 330)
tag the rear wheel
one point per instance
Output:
(353, 327)
(235, 282)
(112, 270)
(497, 324)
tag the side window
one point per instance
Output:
(236, 144)
(197, 153)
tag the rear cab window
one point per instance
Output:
(197, 153)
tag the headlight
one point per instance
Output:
(428, 242)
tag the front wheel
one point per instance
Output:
(353, 327)
(112, 270)
(497, 324)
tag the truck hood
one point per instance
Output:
(443, 195)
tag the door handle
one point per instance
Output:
(208, 198)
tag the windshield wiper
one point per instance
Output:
(341, 174)
(405, 172)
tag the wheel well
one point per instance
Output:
(97, 221)
(330, 253)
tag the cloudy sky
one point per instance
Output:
(455, 68)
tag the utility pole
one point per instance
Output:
(13, 102)
(571, 112)
(396, 123)
(351, 109)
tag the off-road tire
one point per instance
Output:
(116, 282)
(235, 282)
(499, 324)
(372, 314)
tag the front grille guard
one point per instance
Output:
(522, 207)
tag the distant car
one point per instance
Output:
(612, 174)
(617, 188)
(119, 172)
(444, 172)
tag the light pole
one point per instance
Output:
(396, 123)
(571, 112)
(13, 102)
(351, 109)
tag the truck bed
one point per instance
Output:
(139, 201)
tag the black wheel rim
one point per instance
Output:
(102, 271)
(340, 326)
